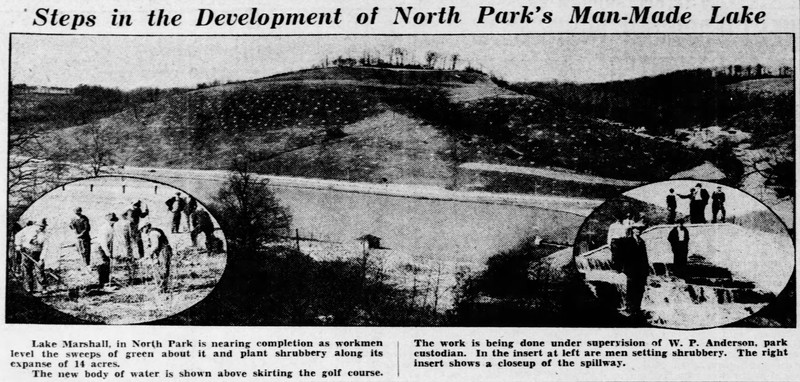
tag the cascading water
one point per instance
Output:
(721, 283)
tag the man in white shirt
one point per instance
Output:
(29, 242)
(630, 221)
(617, 232)
(105, 247)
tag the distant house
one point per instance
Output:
(370, 241)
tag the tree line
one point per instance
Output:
(83, 104)
(663, 103)
(398, 57)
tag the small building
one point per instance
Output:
(370, 241)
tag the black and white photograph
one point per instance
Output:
(116, 250)
(406, 180)
(685, 254)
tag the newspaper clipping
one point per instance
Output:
(399, 190)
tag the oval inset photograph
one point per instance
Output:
(684, 254)
(118, 250)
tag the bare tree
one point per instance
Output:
(777, 169)
(454, 57)
(431, 58)
(248, 210)
(98, 148)
(34, 166)
(398, 54)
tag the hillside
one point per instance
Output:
(680, 99)
(368, 124)
(383, 76)
(764, 86)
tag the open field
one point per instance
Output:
(194, 271)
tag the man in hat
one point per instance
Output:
(176, 205)
(678, 239)
(672, 206)
(80, 224)
(704, 197)
(136, 215)
(29, 243)
(158, 249)
(123, 247)
(698, 199)
(718, 205)
(191, 206)
(636, 267)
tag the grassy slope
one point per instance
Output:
(370, 124)
(766, 86)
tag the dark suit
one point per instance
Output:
(704, 196)
(717, 205)
(176, 205)
(636, 267)
(672, 205)
(80, 224)
(697, 206)
(201, 223)
(680, 249)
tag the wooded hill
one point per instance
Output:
(751, 100)
(404, 125)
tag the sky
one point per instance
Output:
(129, 62)
(736, 202)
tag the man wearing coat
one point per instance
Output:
(136, 214)
(678, 239)
(105, 247)
(158, 250)
(80, 224)
(636, 268)
(672, 205)
(698, 199)
(176, 205)
(201, 223)
(704, 197)
(718, 205)
(29, 242)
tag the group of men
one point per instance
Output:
(197, 220)
(698, 200)
(126, 240)
(122, 238)
(629, 256)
